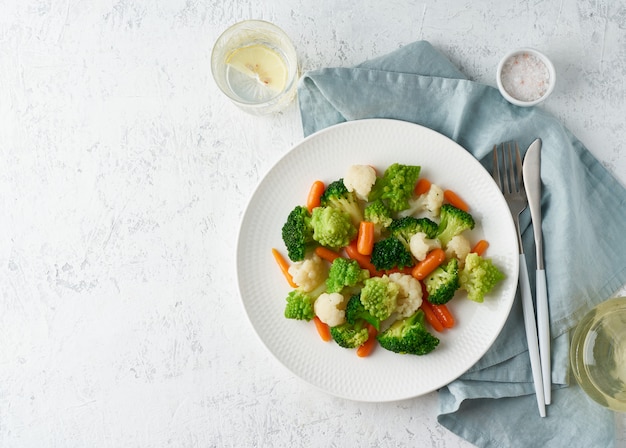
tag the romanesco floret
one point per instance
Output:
(336, 195)
(428, 203)
(330, 308)
(379, 296)
(309, 273)
(299, 305)
(355, 311)
(410, 294)
(348, 335)
(396, 186)
(420, 245)
(443, 282)
(297, 233)
(390, 253)
(452, 222)
(344, 272)
(379, 214)
(409, 336)
(360, 179)
(479, 276)
(332, 227)
(458, 247)
(405, 228)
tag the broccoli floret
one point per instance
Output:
(378, 213)
(337, 195)
(355, 312)
(299, 305)
(396, 186)
(404, 228)
(390, 253)
(379, 296)
(332, 227)
(409, 336)
(478, 276)
(297, 233)
(443, 282)
(344, 272)
(348, 335)
(452, 222)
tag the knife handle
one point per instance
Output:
(530, 324)
(543, 325)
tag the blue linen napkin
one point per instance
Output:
(584, 227)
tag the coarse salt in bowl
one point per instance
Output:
(526, 77)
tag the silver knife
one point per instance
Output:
(532, 182)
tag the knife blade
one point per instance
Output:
(531, 169)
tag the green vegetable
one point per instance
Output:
(452, 222)
(349, 335)
(332, 227)
(378, 213)
(379, 296)
(390, 253)
(404, 228)
(344, 272)
(409, 336)
(396, 186)
(478, 276)
(443, 282)
(337, 195)
(355, 312)
(297, 233)
(299, 305)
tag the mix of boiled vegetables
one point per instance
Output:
(373, 259)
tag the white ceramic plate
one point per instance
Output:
(384, 376)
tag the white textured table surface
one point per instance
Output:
(123, 176)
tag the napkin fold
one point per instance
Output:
(584, 228)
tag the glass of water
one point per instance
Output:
(255, 64)
(598, 353)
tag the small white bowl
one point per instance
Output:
(526, 77)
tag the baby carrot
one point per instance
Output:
(363, 260)
(422, 186)
(434, 258)
(326, 254)
(455, 200)
(322, 329)
(315, 193)
(443, 315)
(365, 240)
(284, 267)
(431, 318)
(480, 247)
(366, 348)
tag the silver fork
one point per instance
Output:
(511, 184)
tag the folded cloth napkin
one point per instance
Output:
(584, 225)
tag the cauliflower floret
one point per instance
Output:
(309, 273)
(429, 202)
(458, 247)
(330, 308)
(360, 178)
(420, 245)
(410, 294)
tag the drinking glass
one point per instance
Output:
(255, 64)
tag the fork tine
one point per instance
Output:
(518, 159)
(495, 171)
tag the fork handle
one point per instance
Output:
(531, 333)
(543, 325)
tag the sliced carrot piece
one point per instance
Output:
(480, 247)
(368, 346)
(284, 267)
(431, 318)
(363, 260)
(326, 254)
